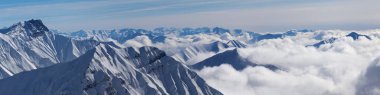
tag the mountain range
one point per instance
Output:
(112, 71)
(38, 61)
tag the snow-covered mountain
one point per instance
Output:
(259, 37)
(236, 43)
(156, 35)
(120, 36)
(30, 54)
(109, 70)
(231, 57)
(356, 36)
(39, 61)
(353, 35)
(189, 54)
(30, 45)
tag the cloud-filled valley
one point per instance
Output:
(334, 68)
(189, 47)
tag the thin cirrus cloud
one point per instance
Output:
(258, 16)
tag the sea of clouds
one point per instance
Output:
(345, 67)
(339, 68)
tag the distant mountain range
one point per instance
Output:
(353, 35)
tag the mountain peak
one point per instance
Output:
(33, 27)
(234, 59)
(353, 35)
(356, 36)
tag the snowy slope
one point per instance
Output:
(236, 43)
(30, 45)
(109, 70)
(192, 52)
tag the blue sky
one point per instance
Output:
(257, 16)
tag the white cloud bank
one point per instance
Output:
(335, 69)
(339, 68)
(369, 83)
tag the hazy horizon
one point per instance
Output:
(256, 16)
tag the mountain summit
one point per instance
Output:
(31, 27)
(231, 57)
(353, 35)
(30, 45)
(356, 36)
